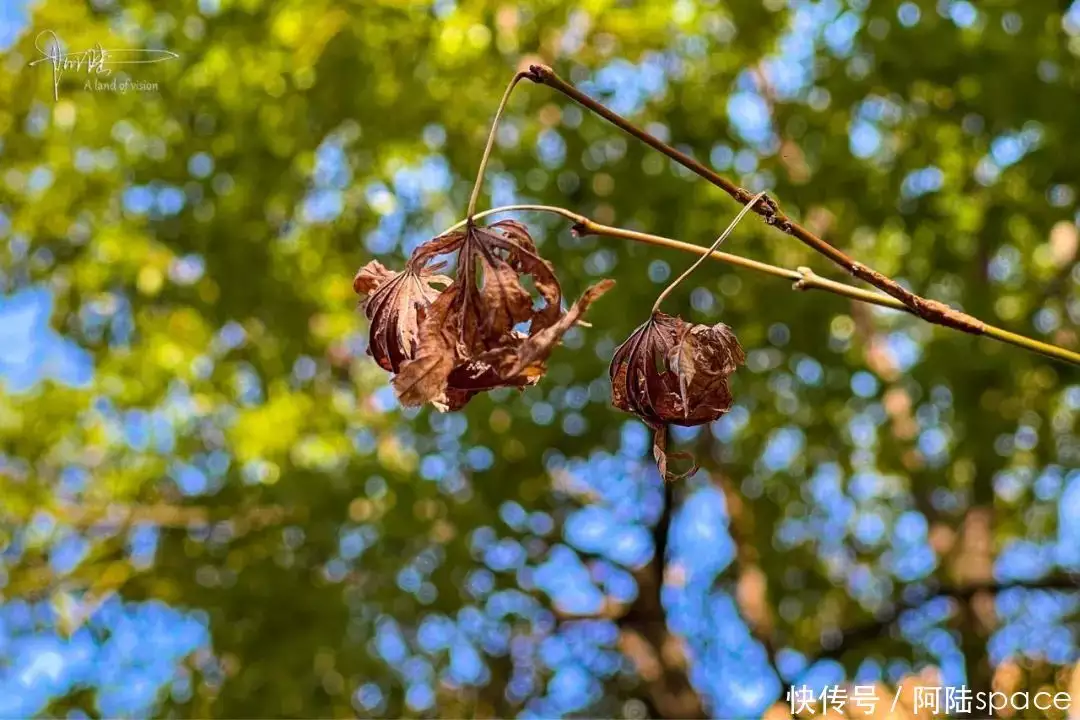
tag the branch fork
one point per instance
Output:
(929, 310)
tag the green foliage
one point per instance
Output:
(252, 370)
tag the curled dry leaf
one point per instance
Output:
(530, 356)
(484, 330)
(396, 305)
(671, 372)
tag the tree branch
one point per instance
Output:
(118, 515)
(750, 590)
(869, 631)
(644, 637)
(802, 278)
(932, 311)
(658, 655)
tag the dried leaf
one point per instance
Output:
(423, 378)
(506, 301)
(472, 339)
(524, 361)
(673, 372)
(703, 358)
(661, 456)
(396, 305)
(370, 277)
(534, 351)
(513, 237)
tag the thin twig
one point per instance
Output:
(802, 278)
(163, 515)
(723, 236)
(929, 310)
(490, 142)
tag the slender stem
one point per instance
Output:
(585, 226)
(723, 236)
(808, 280)
(490, 142)
(555, 210)
(932, 311)
(802, 278)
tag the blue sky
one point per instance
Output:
(31, 350)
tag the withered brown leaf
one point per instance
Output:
(671, 372)
(533, 352)
(396, 305)
(423, 378)
(473, 338)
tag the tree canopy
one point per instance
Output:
(213, 504)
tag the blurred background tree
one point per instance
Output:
(213, 505)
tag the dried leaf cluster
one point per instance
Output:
(482, 331)
(445, 345)
(485, 330)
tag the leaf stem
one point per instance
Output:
(803, 278)
(490, 142)
(723, 236)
